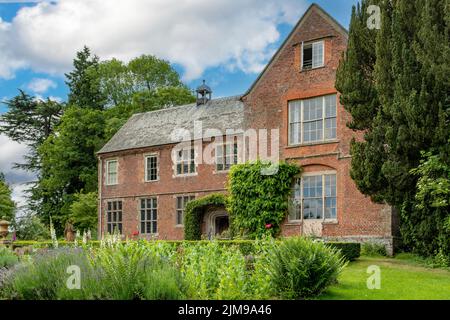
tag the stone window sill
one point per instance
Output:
(308, 144)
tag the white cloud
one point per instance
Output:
(12, 152)
(39, 85)
(196, 34)
(19, 196)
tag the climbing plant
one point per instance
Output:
(194, 212)
(258, 202)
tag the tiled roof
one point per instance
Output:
(156, 127)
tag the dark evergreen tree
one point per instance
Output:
(84, 85)
(405, 109)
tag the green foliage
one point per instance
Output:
(194, 211)
(214, 271)
(354, 76)
(373, 249)
(394, 82)
(257, 200)
(83, 211)
(30, 227)
(83, 82)
(124, 272)
(302, 268)
(349, 250)
(30, 121)
(169, 270)
(425, 219)
(7, 205)
(69, 159)
(7, 258)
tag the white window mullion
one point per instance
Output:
(323, 118)
(301, 199)
(301, 122)
(323, 197)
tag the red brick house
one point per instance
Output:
(145, 179)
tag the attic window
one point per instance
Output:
(312, 55)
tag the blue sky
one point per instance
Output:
(224, 82)
(225, 42)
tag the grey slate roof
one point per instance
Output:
(155, 128)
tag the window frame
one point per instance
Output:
(302, 121)
(108, 182)
(235, 155)
(182, 210)
(191, 161)
(152, 221)
(119, 209)
(146, 157)
(323, 174)
(312, 44)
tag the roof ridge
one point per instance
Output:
(186, 105)
(286, 40)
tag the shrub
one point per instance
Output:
(213, 271)
(373, 249)
(30, 227)
(122, 272)
(43, 277)
(7, 258)
(258, 203)
(303, 268)
(349, 250)
(83, 211)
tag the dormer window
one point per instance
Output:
(313, 55)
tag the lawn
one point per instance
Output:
(401, 278)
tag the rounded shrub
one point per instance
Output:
(7, 258)
(301, 268)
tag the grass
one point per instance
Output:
(402, 278)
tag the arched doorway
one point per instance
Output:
(216, 222)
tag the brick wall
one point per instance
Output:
(266, 107)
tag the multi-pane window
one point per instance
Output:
(181, 205)
(226, 156)
(312, 120)
(313, 197)
(111, 172)
(151, 168)
(185, 161)
(114, 217)
(149, 216)
(313, 55)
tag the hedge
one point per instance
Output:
(349, 250)
(194, 212)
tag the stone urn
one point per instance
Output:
(3, 230)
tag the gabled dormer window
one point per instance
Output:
(313, 55)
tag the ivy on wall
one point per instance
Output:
(194, 212)
(258, 203)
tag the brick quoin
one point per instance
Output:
(266, 107)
